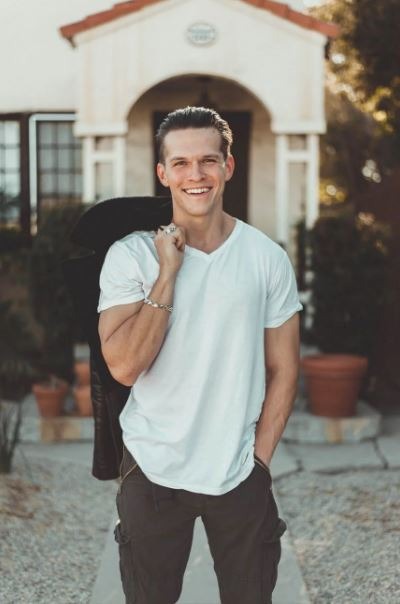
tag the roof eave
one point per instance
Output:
(69, 31)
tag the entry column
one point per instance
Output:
(309, 157)
(104, 159)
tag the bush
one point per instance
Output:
(350, 260)
(17, 351)
(51, 302)
(11, 240)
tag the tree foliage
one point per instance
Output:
(362, 144)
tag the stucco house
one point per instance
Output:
(83, 95)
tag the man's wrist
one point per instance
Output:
(265, 462)
(166, 276)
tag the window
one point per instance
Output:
(59, 162)
(10, 175)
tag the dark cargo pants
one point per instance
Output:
(155, 532)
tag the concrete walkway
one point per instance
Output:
(200, 584)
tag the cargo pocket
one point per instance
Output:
(125, 563)
(272, 549)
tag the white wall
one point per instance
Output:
(38, 67)
(281, 63)
(41, 71)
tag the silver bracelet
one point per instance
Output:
(154, 304)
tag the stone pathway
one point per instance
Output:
(200, 584)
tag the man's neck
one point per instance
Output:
(209, 233)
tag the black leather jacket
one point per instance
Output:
(97, 229)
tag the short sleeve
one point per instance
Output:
(282, 297)
(120, 281)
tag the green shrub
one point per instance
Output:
(51, 302)
(349, 259)
(17, 353)
(18, 350)
(11, 240)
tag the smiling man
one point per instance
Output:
(201, 319)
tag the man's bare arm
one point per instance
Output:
(282, 351)
(131, 335)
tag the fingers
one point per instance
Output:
(177, 236)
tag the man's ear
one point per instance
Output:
(161, 174)
(229, 167)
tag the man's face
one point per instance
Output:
(195, 170)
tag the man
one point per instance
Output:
(193, 317)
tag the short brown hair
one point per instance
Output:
(194, 117)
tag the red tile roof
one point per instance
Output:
(130, 6)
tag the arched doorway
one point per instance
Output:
(247, 117)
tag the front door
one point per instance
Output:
(235, 195)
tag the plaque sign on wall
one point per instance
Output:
(201, 34)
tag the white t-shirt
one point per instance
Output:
(190, 419)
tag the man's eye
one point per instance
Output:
(179, 163)
(209, 160)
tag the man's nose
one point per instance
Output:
(196, 172)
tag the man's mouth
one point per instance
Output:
(197, 190)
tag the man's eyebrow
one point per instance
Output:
(208, 155)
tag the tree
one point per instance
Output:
(362, 144)
(360, 154)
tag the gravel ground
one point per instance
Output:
(345, 530)
(54, 517)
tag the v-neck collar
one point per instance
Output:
(193, 251)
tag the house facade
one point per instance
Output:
(78, 117)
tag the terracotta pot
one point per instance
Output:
(333, 383)
(82, 372)
(50, 397)
(83, 400)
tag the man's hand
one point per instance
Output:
(170, 249)
(282, 351)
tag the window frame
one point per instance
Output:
(35, 120)
(24, 208)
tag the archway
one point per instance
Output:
(253, 146)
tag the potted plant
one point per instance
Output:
(349, 261)
(52, 305)
(82, 372)
(17, 349)
(82, 389)
(83, 399)
(50, 393)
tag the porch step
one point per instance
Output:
(65, 428)
(304, 427)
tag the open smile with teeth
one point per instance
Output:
(198, 191)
